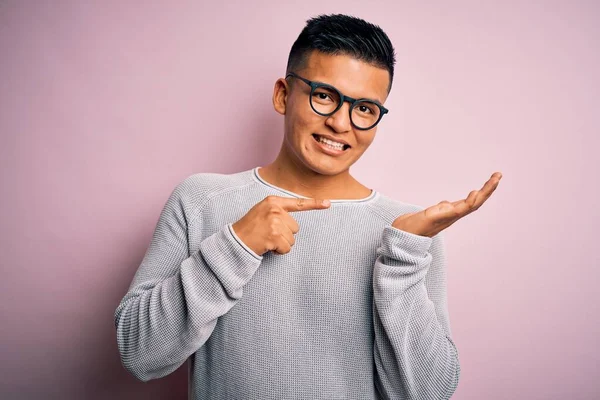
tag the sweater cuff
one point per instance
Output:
(241, 242)
(401, 248)
(231, 261)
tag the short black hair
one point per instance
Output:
(340, 34)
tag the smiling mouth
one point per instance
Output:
(316, 137)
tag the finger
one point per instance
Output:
(477, 197)
(486, 191)
(283, 245)
(472, 198)
(445, 211)
(468, 205)
(290, 222)
(465, 206)
(300, 204)
(288, 235)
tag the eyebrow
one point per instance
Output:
(364, 98)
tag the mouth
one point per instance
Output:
(317, 139)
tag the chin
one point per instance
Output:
(327, 169)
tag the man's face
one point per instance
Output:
(351, 77)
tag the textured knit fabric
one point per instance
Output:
(356, 310)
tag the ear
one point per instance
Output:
(280, 93)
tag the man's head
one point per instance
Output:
(356, 58)
(344, 35)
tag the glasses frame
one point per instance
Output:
(343, 98)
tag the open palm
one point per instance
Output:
(432, 220)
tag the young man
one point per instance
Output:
(271, 294)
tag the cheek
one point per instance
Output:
(365, 139)
(301, 121)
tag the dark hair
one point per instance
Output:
(340, 34)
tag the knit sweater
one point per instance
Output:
(356, 310)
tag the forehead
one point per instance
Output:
(351, 76)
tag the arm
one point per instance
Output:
(175, 298)
(415, 357)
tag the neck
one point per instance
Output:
(293, 176)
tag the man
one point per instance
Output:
(272, 294)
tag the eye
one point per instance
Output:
(364, 109)
(325, 95)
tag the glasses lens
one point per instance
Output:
(365, 114)
(325, 100)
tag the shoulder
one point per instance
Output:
(389, 209)
(194, 191)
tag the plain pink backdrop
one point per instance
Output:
(105, 107)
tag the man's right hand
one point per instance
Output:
(268, 226)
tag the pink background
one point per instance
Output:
(105, 107)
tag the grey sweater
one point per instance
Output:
(356, 310)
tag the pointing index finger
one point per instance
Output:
(302, 204)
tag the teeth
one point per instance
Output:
(336, 145)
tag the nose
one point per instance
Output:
(340, 120)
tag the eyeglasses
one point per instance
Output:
(325, 100)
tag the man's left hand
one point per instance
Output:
(432, 220)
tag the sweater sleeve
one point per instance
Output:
(175, 298)
(415, 356)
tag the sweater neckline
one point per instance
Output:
(374, 194)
